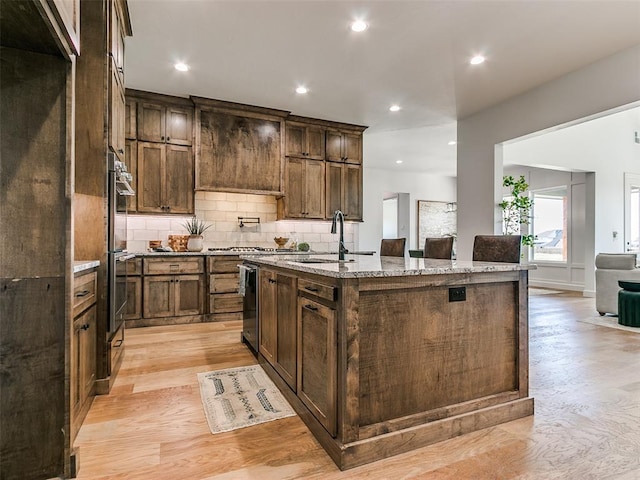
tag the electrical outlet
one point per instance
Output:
(457, 294)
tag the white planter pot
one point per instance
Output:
(194, 244)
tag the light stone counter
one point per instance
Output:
(82, 265)
(366, 266)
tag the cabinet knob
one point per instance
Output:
(85, 326)
(121, 150)
(271, 280)
(162, 137)
(168, 139)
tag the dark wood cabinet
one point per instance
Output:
(317, 372)
(278, 310)
(83, 347)
(304, 187)
(130, 120)
(344, 190)
(165, 178)
(165, 123)
(344, 146)
(133, 307)
(225, 303)
(305, 140)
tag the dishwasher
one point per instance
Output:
(248, 288)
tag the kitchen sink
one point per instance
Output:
(320, 260)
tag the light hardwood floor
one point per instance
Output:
(585, 380)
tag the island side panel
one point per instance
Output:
(523, 334)
(419, 352)
(348, 362)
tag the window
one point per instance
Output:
(631, 212)
(550, 225)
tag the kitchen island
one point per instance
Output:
(382, 355)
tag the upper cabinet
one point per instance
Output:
(164, 123)
(239, 148)
(305, 140)
(344, 146)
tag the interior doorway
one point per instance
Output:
(395, 215)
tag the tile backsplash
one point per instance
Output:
(221, 211)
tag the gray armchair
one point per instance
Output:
(611, 267)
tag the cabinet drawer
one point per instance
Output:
(225, 303)
(84, 292)
(168, 266)
(224, 283)
(134, 266)
(318, 289)
(224, 264)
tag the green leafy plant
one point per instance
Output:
(195, 226)
(516, 210)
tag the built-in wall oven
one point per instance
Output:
(117, 255)
(249, 291)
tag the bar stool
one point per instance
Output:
(629, 304)
(392, 247)
(438, 247)
(497, 248)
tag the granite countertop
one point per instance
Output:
(82, 265)
(227, 252)
(363, 266)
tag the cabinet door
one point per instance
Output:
(314, 189)
(179, 126)
(286, 335)
(317, 357)
(188, 295)
(133, 308)
(334, 146)
(179, 179)
(130, 120)
(151, 174)
(159, 296)
(87, 358)
(116, 114)
(352, 188)
(333, 186)
(295, 191)
(352, 147)
(295, 140)
(131, 161)
(268, 314)
(315, 142)
(151, 122)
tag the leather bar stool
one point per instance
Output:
(438, 247)
(497, 248)
(392, 247)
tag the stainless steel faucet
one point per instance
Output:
(341, 248)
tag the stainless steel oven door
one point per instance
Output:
(117, 288)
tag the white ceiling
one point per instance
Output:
(414, 53)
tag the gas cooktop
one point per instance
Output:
(248, 249)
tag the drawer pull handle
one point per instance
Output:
(117, 344)
(83, 293)
(85, 326)
(311, 289)
(311, 307)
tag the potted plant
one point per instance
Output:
(195, 228)
(516, 209)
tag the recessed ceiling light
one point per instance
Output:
(477, 60)
(181, 67)
(301, 90)
(398, 161)
(394, 108)
(452, 142)
(359, 26)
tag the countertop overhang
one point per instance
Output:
(367, 266)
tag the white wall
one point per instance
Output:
(607, 84)
(419, 186)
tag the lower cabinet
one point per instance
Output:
(172, 295)
(278, 338)
(172, 287)
(225, 304)
(317, 356)
(83, 348)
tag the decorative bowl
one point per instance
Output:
(281, 241)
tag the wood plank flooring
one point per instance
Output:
(585, 380)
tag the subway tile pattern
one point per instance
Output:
(221, 211)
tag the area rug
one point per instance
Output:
(611, 322)
(240, 397)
